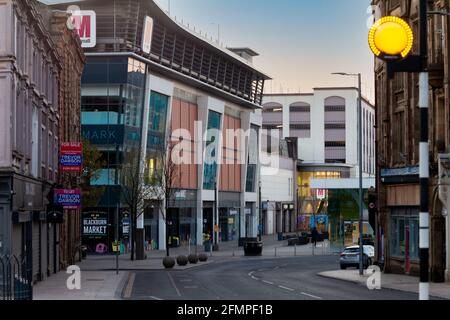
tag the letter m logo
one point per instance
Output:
(85, 23)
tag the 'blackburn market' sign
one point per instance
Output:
(69, 199)
(95, 224)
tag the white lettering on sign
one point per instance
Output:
(85, 23)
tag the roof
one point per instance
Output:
(247, 50)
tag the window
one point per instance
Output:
(252, 163)
(212, 146)
(404, 232)
(34, 142)
(157, 119)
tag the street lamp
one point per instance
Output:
(360, 204)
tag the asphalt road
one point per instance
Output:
(256, 279)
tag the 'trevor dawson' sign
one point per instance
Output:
(85, 23)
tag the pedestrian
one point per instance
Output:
(314, 235)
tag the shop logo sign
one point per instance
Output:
(85, 23)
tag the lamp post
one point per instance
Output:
(360, 204)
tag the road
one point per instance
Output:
(256, 279)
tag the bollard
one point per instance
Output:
(275, 251)
(295, 250)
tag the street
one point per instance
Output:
(256, 279)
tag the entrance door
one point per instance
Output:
(208, 221)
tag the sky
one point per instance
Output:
(300, 42)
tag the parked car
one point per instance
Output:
(350, 257)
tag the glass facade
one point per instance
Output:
(212, 148)
(252, 164)
(157, 123)
(112, 104)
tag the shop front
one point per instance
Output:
(229, 216)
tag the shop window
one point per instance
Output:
(404, 233)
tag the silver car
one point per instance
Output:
(350, 257)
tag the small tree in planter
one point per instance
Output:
(168, 262)
(182, 260)
(193, 258)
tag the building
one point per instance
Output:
(30, 67)
(68, 45)
(146, 77)
(279, 186)
(325, 123)
(398, 139)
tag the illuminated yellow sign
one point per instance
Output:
(391, 38)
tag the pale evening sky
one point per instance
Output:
(300, 42)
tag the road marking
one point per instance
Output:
(255, 278)
(155, 298)
(251, 273)
(286, 288)
(268, 282)
(310, 295)
(174, 285)
(191, 287)
(186, 280)
(129, 287)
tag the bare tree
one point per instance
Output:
(134, 192)
(165, 182)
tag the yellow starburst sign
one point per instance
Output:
(391, 38)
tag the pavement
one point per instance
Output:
(390, 281)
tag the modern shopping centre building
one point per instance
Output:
(146, 76)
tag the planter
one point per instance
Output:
(203, 257)
(182, 260)
(168, 262)
(207, 245)
(193, 258)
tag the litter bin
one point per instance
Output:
(253, 248)
(280, 236)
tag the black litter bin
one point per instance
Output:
(253, 248)
(280, 236)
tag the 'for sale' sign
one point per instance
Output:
(71, 157)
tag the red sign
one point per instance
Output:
(71, 156)
(85, 23)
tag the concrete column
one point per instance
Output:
(447, 243)
(199, 220)
(161, 232)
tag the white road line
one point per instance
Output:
(268, 282)
(155, 298)
(174, 285)
(286, 288)
(251, 273)
(129, 287)
(255, 278)
(310, 295)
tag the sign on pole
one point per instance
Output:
(69, 199)
(71, 156)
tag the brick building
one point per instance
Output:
(397, 123)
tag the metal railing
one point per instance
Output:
(15, 279)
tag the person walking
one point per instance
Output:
(314, 235)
